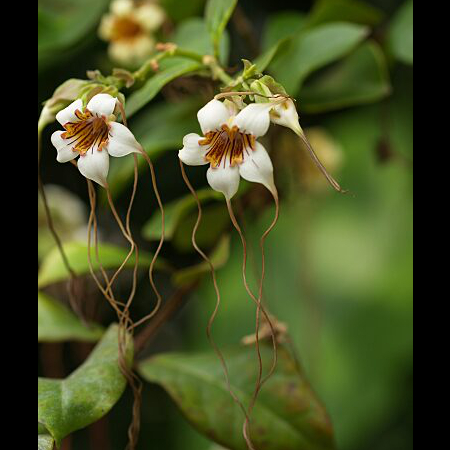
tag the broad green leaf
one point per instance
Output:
(193, 35)
(217, 15)
(281, 26)
(175, 212)
(159, 128)
(87, 394)
(175, 69)
(264, 60)
(63, 23)
(360, 78)
(181, 10)
(287, 415)
(54, 271)
(219, 257)
(401, 35)
(215, 220)
(313, 49)
(56, 323)
(45, 442)
(355, 11)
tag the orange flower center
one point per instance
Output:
(90, 132)
(227, 145)
(126, 28)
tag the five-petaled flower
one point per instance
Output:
(230, 146)
(130, 28)
(93, 134)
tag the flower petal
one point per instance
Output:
(102, 104)
(106, 28)
(94, 165)
(193, 154)
(212, 116)
(225, 180)
(286, 115)
(68, 114)
(65, 152)
(150, 16)
(254, 119)
(121, 141)
(257, 168)
(121, 7)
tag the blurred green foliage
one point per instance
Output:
(339, 268)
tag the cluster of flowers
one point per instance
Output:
(229, 143)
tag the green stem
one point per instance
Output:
(149, 66)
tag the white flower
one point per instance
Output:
(286, 115)
(129, 28)
(93, 135)
(230, 146)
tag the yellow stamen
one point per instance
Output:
(89, 132)
(228, 144)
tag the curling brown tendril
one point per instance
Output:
(259, 307)
(126, 325)
(161, 242)
(218, 301)
(125, 322)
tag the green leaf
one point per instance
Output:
(175, 213)
(287, 415)
(176, 68)
(63, 23)
(264, 60)
(217, 15)
(325, 11)
(401, 35)
(45, 442)
(87, 394)
(313, 49)
(54, 271)
(193, 35)
(181, 10)
(219, 258)
(280, 26)
(159, 128)
(56, 323)
(360, 78)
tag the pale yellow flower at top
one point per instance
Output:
(129, 27)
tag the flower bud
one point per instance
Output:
(286, 115)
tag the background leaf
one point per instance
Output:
(193, 35)
(217, 15)
(53, 270)
(87, 394)
(181, 10)
(361, 77)
(56, 323)
(219, 258)
(325, 11)
(313, 49)
(62, 24)
(401, 37)
(287, 415)
(282, 25)
(175, 212)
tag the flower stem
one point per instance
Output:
(172, 51)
